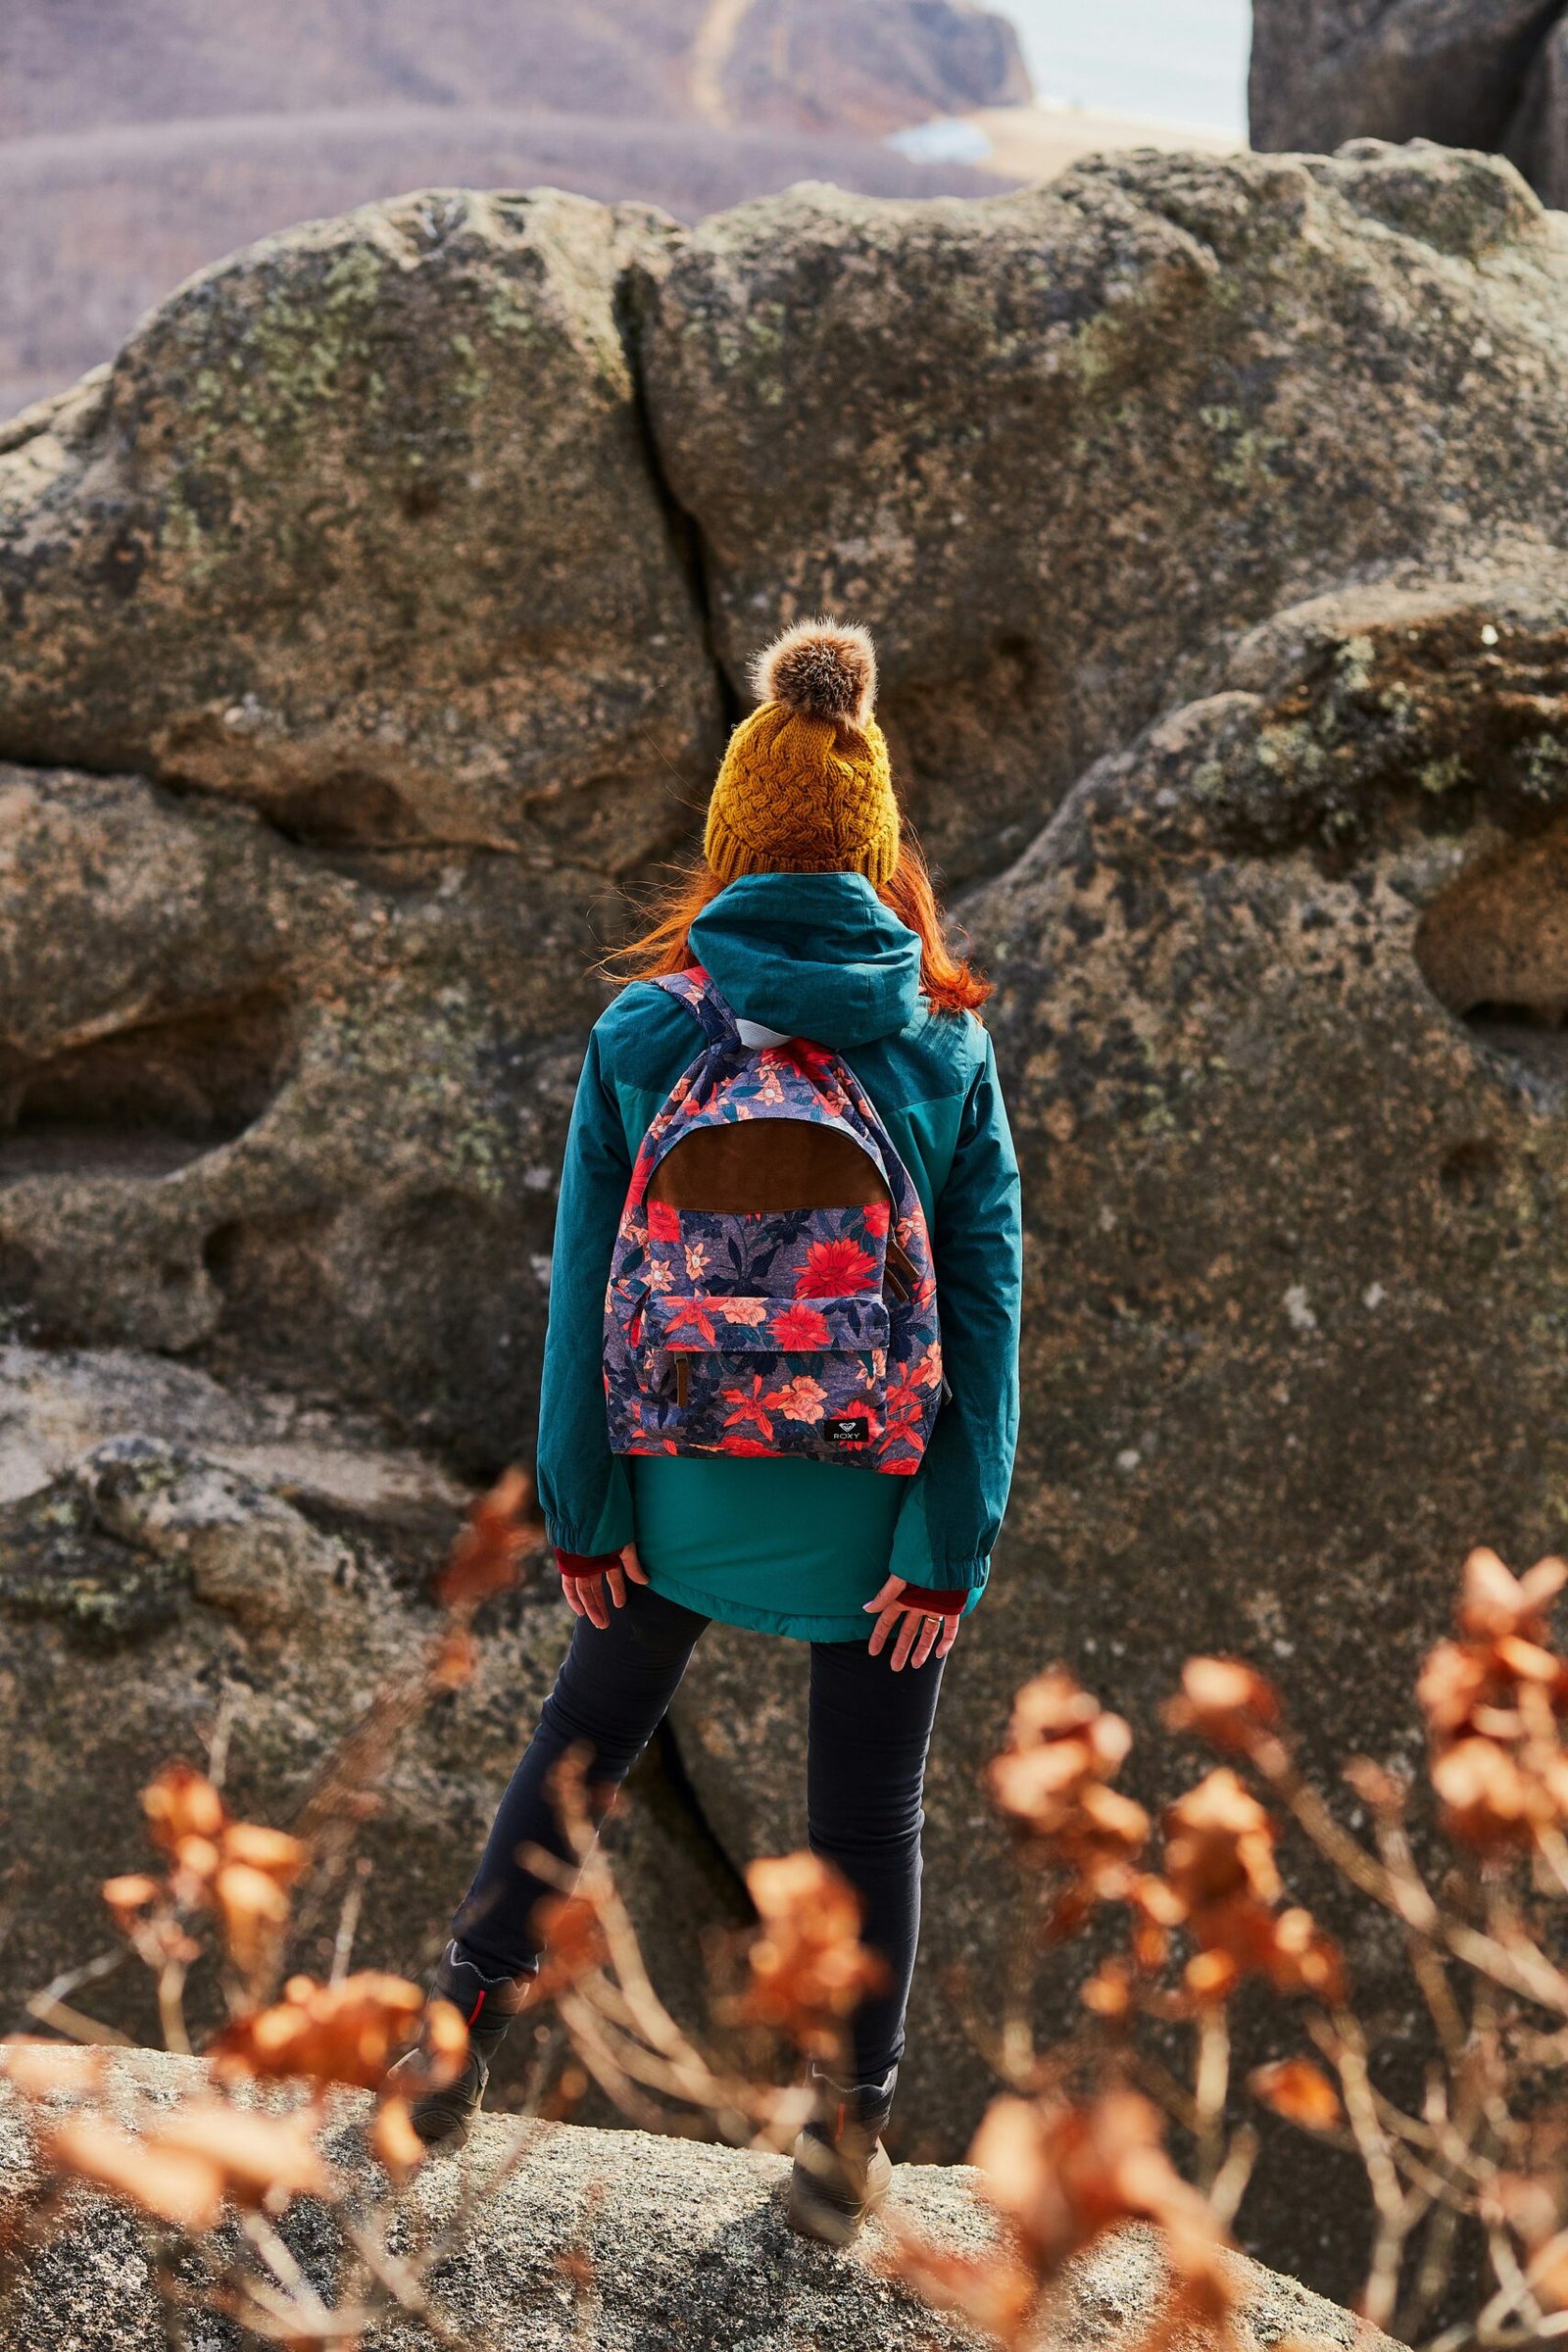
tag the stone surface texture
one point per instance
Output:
(372, 629)
(179, 1560)
(687, 2251)
(1057, 447)
(1468, 73)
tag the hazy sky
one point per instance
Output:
(1175, 60)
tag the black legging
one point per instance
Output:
(869, 1733)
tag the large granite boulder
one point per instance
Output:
(1057, 447)
(1468, 73)
(354, 559)
(621, 2242)
(358, 530)
(293, 1112)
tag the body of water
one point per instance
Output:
(1173, 61)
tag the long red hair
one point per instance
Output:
(948, 981)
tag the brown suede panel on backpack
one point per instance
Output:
(760, 1166)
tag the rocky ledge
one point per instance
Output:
(617, 2241)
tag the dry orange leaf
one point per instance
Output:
(129, 1895)
(1225, 1700)
(394, 2138)
(1064, 2172)
(1108, 1992)
(1495, 1603)
(346, 2033)
(487, 1556)
(40, 2069)
(1300, 2091)
(263, 2160)
(454, 1659)
(255, 1911)
(994, 2291)
(170, 2184)
(273, 1852)
(181, 1802)
(1219, 1843)
(809, 1969)
(1211, 1977)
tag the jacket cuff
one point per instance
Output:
(576, 1566)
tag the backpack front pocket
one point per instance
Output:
(730, 1374)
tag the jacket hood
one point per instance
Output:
(814, 955)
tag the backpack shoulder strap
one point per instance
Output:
(695, 990)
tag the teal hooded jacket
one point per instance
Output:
(797, 1547)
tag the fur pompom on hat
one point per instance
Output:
(807, 785)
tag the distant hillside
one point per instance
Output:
(102, 225)
(803, 65)
(140, 139)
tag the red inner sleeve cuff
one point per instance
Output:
(576, 1566)
(945, 1602)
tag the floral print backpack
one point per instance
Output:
(771, 1289)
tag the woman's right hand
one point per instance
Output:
(586, 1581)
(924, 1622)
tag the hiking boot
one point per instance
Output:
(487, 2005)
(842, 2171)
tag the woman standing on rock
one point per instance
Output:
(796, 1406)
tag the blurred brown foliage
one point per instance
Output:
(1079, 2139)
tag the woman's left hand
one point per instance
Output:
(921, 1630)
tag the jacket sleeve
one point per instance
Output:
(583, 1490)
(952, 1513)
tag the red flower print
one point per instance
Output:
(906, 1398)
(750, 1405)
(800, 1400)
(834, 1271)
(739, 1445)
(664, 1221)
(693, 1312)
(799, 1326)
(876, 1215)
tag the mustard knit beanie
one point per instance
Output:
(806, 786)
